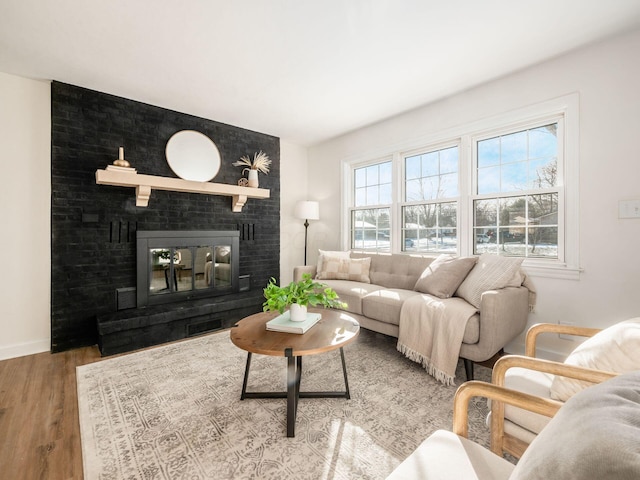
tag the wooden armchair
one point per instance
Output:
(447, 455)
(594, 435)
(513, 429)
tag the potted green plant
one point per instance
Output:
(298, 296)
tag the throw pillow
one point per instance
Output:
(330, 253)
(491, 272)
(594, 436)
(614, 349)
(444, 275)
(354, 269)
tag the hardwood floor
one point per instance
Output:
(39, 429)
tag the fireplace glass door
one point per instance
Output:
(184, 267)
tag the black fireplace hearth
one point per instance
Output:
(136, 328)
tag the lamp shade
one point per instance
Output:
(307, 210)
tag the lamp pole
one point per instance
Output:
(307, 210)
(306, 227)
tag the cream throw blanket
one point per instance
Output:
(431, 332)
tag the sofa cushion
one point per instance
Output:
(491, 272)
(614, 349)
(355, 269)
(352, 293)
(385, 304)
(395, 270)
(595, 435)
(443, 276)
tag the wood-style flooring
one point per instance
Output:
(39, 429)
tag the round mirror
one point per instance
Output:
(193, 156)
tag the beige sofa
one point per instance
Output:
(501, 317)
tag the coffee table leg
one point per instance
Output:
(298, 380)
(246, 376)
(292, 392)
(344, 371)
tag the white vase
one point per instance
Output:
(298, 313)
(253, 178)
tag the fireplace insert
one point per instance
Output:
(175, 266)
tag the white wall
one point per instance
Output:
(25, 204)
(607, 78)
(293, 188)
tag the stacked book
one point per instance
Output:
(283, 323)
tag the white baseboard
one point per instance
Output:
(22, 349)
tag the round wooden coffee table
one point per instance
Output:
(334, 330)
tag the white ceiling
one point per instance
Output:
(302, 70)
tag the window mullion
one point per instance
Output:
(465, 203)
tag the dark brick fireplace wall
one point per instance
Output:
(93, 227)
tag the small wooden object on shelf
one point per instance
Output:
(120, 161)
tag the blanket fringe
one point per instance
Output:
(426, 364)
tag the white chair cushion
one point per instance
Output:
(446, 456)
(519, 423)
(614, 349)
(531, 382)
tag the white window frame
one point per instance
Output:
(350, 194)
(566, 108)
(559, 188)
(402, 202)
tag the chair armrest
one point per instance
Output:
(537, 329)
(298, 272)
(475, 388)
(509, 361)
(547, 366)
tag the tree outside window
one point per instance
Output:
(429, 217)
(371, 227)
(517, 182)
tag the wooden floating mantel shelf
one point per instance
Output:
(143, 184)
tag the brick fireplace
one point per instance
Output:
(94, 227)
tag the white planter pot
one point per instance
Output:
(253, 178)
(298, 313)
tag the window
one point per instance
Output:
(515, 206)
(370, 223)
(506, 185)
(429, 217)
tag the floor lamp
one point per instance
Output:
(308, 211)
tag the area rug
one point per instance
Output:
(174, 412)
